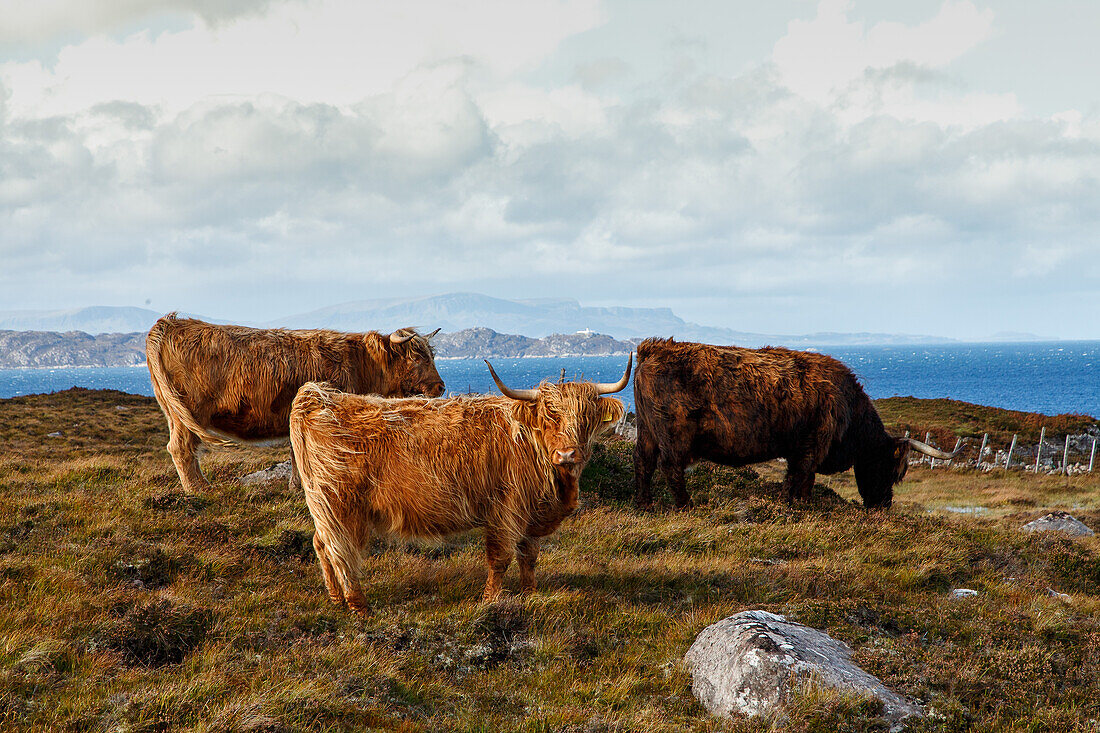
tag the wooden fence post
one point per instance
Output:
(1039, 452)
(1065, 457)
(1092, 456)
(927, 439)
(958, 442)
(981, 451)
(1008, 461)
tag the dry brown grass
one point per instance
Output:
(127, 605)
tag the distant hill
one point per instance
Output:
(454, 312)
(74, 348)
(458, 311)
(94, 319)
(484, 343)
(542, 317)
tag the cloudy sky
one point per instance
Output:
(789, 166)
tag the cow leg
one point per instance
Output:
(353, 592)
(332, 584)
(498, 556)
(295, 477)
(803, 465)
(345, 572)
(645, 461)
(799, 481)
(183, 446)
(673, 469)
(528, 555)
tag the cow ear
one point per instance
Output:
(611, 410)
(901, 448)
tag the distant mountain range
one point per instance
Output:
(455, 312)
(22, 349)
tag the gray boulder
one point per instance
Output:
(1059, 521)
(278, 472)
(749, 663)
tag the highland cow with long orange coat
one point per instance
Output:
(737, 406)
(232, 384)
(430, 468)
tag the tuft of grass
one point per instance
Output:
(157, 633)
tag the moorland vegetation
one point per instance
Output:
(129, 605)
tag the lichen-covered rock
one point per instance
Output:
(1059, 521)
(749, 663)
(278, 472)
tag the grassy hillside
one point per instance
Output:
(128, 605)
(952, 418)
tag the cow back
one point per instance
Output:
(738, 405)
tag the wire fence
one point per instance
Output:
(1066, 455)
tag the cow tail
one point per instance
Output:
(170, 401)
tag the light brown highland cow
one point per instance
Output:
(232, 384)
(429, 468)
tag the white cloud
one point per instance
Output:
(332, 147)
(819, 57)
(45, 20)
(335, 52)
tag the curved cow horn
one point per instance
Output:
(528, 395)
(930, 451)
(397, 339)
(433, 333)
(609, 388)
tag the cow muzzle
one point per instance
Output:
(567, 457)
(435, 390)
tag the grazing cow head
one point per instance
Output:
(877, 472)
(570, 415)
(412, 364)
(885, 466)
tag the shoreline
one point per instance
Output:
(142, 365)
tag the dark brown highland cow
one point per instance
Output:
(232, 384)
(429, 468)
(739, 406)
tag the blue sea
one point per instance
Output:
(1051, 378)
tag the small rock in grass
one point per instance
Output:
(58, 434)
(963, 593)
(753, 661)
(1060, 596)
(277, 472)
(1059, 521)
